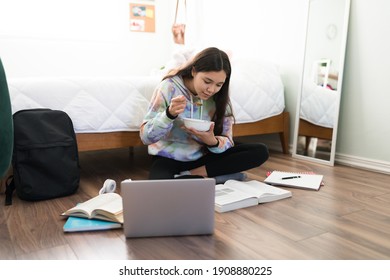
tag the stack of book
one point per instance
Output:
(102, 212)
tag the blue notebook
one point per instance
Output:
(74, 224)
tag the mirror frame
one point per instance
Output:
(344, 34)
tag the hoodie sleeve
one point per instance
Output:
(226, 139)
(156, 123)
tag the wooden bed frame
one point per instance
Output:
(311, 130)
(101, 141)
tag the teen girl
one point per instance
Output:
(199, 89)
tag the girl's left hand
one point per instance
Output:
(206, 137)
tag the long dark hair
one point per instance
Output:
(211, 60)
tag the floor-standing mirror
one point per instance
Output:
(319, 99)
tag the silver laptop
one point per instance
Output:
(168, 207)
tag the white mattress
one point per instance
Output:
(256, 90)
(119, 104)
(94, 104)
(318, 104)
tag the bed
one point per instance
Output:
(318, 111)
(107, 111)
(319, 102)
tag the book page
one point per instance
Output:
(110, 202)
(254, 188)
(225, 195)
(114, 205)
(107, 216)
(235, 194)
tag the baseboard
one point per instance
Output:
(343, 159)
(363, 163)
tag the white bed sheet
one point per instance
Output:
(318, 104)
(98, 105)
(94, 104)
(256, 90)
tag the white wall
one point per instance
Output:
(273, 30)
(91, 37)
(80, 37)
(364, 129)
(276, 32)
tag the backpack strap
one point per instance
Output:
(9, 190)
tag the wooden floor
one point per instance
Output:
(349, 218)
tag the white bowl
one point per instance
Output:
(200, 125)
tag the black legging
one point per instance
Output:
(236, 159)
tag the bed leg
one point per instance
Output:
(284, 140)
(284, 136)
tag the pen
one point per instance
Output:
(292, 177)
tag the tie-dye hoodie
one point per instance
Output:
(166, 137)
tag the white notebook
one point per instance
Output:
(295, 180)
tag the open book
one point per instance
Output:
(295, 180)
(107, 206)
(237, 194)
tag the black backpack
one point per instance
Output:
(45, 157)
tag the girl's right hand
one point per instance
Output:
(177, 106)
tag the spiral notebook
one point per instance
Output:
(300, 180)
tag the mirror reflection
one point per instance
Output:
(318, 104)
